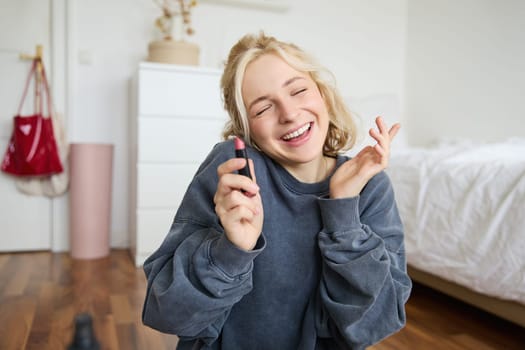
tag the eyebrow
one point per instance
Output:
(264, 97)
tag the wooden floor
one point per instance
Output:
(41, 293)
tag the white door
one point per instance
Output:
(25, 221)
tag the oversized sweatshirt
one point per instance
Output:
(325, 273)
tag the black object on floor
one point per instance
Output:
(84, 337)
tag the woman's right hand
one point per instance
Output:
(238, 204)
(352, 176)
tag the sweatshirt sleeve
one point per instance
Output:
(197, 274)
(364, 285)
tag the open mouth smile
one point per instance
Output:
(297, 133)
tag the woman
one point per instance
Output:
(306, 255)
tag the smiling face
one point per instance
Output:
(287, 115)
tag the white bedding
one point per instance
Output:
(463, 208)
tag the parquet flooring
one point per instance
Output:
(42, 292)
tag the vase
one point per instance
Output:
(174, 52)
(91, 172)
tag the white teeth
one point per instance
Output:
(297, 132)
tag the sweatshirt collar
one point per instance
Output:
(321, 188)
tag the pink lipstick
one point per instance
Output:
(240, 152)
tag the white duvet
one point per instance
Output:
(463, 208)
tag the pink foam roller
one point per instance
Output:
(91, 172)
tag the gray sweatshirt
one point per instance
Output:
(325, 273)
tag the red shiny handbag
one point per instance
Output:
(32, 149)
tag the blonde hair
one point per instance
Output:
(342, 131)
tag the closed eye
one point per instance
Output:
(297, 92)
(262, 110)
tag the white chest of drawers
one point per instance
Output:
(176, 118)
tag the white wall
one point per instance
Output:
(465, 72)
(362, 42)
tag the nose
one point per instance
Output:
(288, 111)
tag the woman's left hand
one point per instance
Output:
(351, 177)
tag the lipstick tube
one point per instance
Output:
(240, 152)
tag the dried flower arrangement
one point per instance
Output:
(172, 9)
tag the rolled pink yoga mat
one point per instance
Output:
(91, 172)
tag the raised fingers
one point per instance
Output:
(393, 130)
(381, 125)
(383, 135)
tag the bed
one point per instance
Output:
(462, 204)
(463, 207)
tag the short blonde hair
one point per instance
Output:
(342, 131)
